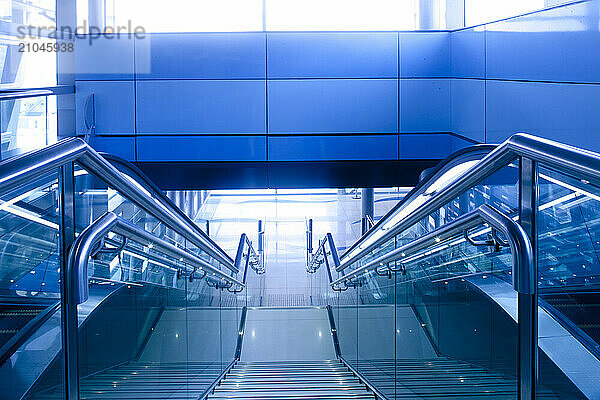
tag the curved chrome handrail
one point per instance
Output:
(252, 258)
(568, 159)
(33, 165)
(449, 162)
(320, 256)
(23, 94)
(523, 271)
(87, 241)
(140, 177)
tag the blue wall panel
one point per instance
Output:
(114, 105)
(322, 148)
(120, 146)
(201, 56)
(425, 54)
(457, 143)
(468, 53)
(104, 58)
(468, 108)
(424, 146)
(425, 105)
(563, 112)
(332, 55)
(555, 45)
(333, 106)
(173, 107)
(201, 148)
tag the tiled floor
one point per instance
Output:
(285, 214)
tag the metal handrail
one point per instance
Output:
(87, 241)
(320, 256)
(524, 275)
(523, 270)
(452, 160)
(141, 178)
(33, 165)
(252, 258)
(23, 94)
(568, 159)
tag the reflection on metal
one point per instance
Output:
(89, 117)
(456, 159)
(528, 302)
(524, 275)
(326, 254)
(23, 94)
(110, 222)
(240, 339)
(66, 205)
(583, 164)
(247, 256)
(367, 209)
(334, 335)
(36, 164)
(492, 240)
(102, 249)
(309, 240)
(77, 285)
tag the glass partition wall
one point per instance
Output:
(446, 320)
(150, 316)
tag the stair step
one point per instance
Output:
(288, 380)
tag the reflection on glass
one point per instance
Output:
(27, 69)
(569, 259)
(27, 124)
(29, 285)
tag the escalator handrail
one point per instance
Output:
(320, 256)
(523, 269)
(140, 177)
(568, 159)
(23, 334)
(77, 266)
(454, 159)
(19, 170)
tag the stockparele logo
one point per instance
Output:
(83, 31)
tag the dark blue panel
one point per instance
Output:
(555, 45)
(424, 54)
(174, 107)
(332, 55)
(114, 106)
(201, 56)
(201, 148)
(123, 147)
(104, 58)
(322, 148)
(457, 143)
(425, 105)
(424, 146)
(468, 108)
(564, 112)
(333, 106)
(468, 53)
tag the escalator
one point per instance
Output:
(480, 283)
(464, 290)
(19, 319)
(140, 283)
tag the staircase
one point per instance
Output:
(439, 379)
(279, 380)
(144, 381)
